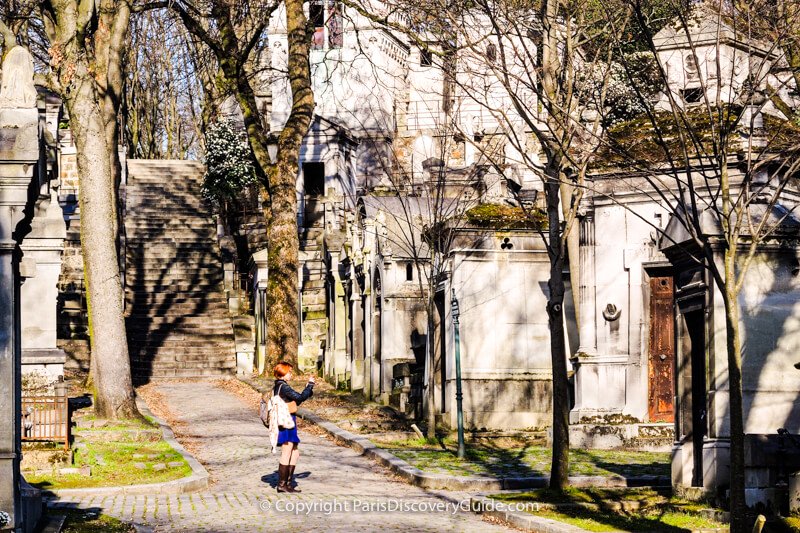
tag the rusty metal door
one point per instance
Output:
(662, 350)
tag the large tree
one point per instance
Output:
(82, 41)
(232, 31)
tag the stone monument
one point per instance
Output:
(41, 264)
(19, 158)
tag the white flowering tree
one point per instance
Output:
(229, 163)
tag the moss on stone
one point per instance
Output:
(645, 140)
(498, 217)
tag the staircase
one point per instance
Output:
(176, 311)
(313, 293)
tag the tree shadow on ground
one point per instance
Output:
(618, 509)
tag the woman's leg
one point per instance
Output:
(287, 453)
(283, 468)
(293, 464)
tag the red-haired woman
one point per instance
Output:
(287, 438)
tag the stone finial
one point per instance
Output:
(17, 89)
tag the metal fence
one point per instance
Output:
(46, 418)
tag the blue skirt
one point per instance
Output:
(288, 435)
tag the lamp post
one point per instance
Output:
(459, 394)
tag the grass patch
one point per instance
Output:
(617, 509)
(525, 460)
(656, 521)
(113, 464)
(80, 521)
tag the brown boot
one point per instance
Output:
(290, 480)
(283, 476)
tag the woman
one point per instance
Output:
(287, 438)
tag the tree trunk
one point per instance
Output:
(430, 396)
(734, 348)
(559, 469)
(283, 286)
(85, 40)
(109, 346)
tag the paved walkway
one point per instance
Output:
(342, 491)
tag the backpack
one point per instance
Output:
(263, 412)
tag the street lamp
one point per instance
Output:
(459, 394)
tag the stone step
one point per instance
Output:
(185, 368)
(170, 237)
(147, 311)
(143, 329)
(144, 346)
(166, 211)
(187, 286)
(157, 211)
(137, 273)
(172, 268)
(164, 362)
(185, 298)
(159, 365)
(198, 208)
(192, 193)
(166, 174)
(185, 186)
(190, 321)
(179, 245)
(178, 303)
(154, 191)
(167, 361)
(169, 225)
(166, 178)
(208, 353)
(170, 251)
(186, 266)
(157, 375)
(173, 284)
(150, 222)
(140, 295)
(182, 339)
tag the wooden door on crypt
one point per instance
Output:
(662, 351)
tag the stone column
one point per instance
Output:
(335, 362)
(586, 378)
(588, 305)
(19, 153)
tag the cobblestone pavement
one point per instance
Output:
(342, 491)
